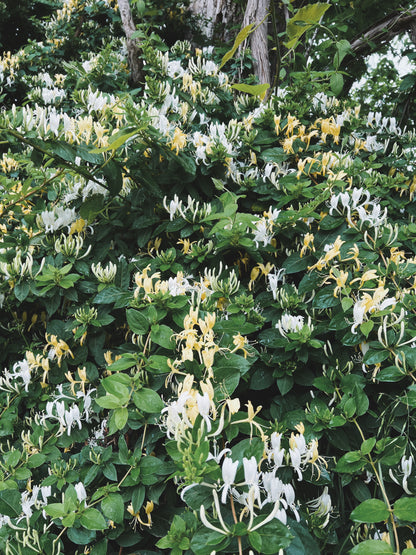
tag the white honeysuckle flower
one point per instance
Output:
(204, 405)
(289, 494)
(72, 418)
(54, 120)
(57, 217)
(229, 470)
(289, 323)
(296, 460)
(262, 234)
(276, 451)
(273, 486)
(252, 476)
(105, 274)
(406, 470)
(322, 505)
(358, 315)
(218, 455)
(273, 279)
(174, 206)
(81, 492)
(282, 516)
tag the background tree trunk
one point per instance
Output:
(133, 51)
(218, 17)
(256, 11)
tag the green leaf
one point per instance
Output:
(370, 511)
(113, 507)
(205, 541)
(390, 374)
(114, 177)
(343, 48)
(62, 149)
(148, 400)
(367, 445)
(310, 15)
(405, 509)
(127, 360)
(116, 141)
(371, 547)
(109, 402)
(241, 37)
(295, 263)
(374, 357)
(137, 322)
(163, 335)
(69, 520)
(350, 463)
(91, 207)
(347, 303)
(285, 384)
(36, 460)
(80, 536)
(21, 290)
(22, 474)
(121, 416)
(303, 543)
(117, 385)
(137, 497)
(92, 519)
(336, 82)
(366, 327)
(157, 364)
(255, 541)
(255, 90)
(274, 536)
(10, 502)
(12, 458)
(55, 510)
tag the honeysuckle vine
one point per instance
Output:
(207, 307)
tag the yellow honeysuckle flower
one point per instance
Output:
(136, 515)
(186, 245)
(240, 341)
(292, 122)
(277, 123)
(78, 226)
(396, 256)
(367, 276)
(59, 346)
(178, 141)
(307, 244)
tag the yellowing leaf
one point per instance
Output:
(255, 90)
(303, 20)
(241, 37)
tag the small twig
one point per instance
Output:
(240, 546)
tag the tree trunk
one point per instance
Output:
(218, 17)
(134, 52)
(256, 12)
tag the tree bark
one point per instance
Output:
(134, 52)
(218, 17)
(256, 12)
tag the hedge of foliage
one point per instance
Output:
(207, 310)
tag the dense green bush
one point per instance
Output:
(207, 310)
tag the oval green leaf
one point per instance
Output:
(370, 511)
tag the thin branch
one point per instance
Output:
(383, 31)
